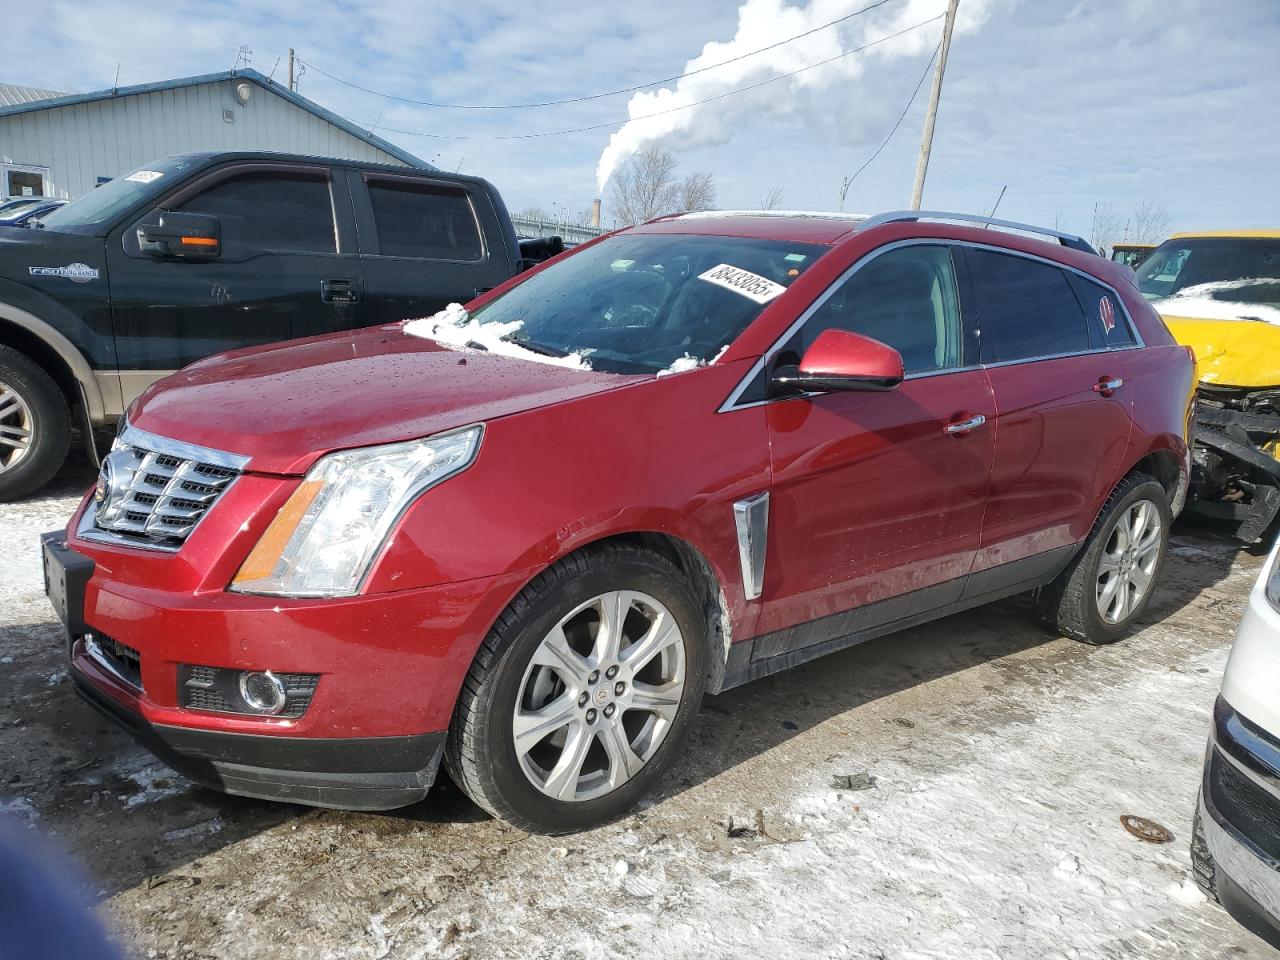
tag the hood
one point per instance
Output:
(22, 246)
(285, 405)
(61, 265)
(1236, 353)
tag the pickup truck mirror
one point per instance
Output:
(840, 360)
(182, 236)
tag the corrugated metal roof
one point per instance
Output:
(12, 95)
(74, 99)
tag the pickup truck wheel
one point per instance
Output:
(1110, 582)
(580, 696)
(35, 426)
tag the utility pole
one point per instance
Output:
(926, 144)
(291, 68)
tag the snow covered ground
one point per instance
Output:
(953, 791)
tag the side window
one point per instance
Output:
(428, 221)
(1026, 308)
(274, 212)
(905, 298)
(1107, 324)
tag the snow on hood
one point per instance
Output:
(686, 363)
(1206, 301)
(454, 327)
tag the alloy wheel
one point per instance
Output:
(599, 695)
(1128, 561)
(15, 427)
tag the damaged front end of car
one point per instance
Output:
(1235, 476)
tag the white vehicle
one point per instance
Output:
(1235, 847)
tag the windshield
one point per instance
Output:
(85, 214)
(635, 303)
(1236, 270)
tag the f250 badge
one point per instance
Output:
(75, 272)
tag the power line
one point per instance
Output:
(687, 106)
(594, 96)
(902, 116)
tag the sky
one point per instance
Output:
(1064, 104)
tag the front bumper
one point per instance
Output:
(1240, 815)
(365, 773)
(388, 667)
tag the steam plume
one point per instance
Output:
(760, 23)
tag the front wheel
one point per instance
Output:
(35, 426)
(582, 693)
(1106, 587)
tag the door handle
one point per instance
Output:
(960, 428)
(338, 291)
(1108, 385)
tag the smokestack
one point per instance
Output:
(595, 212)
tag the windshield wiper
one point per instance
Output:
(534, 347)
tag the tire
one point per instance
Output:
(32, 408)
(515, 674)
(1072, 603)
(1203, 868)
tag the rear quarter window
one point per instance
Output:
(423, 220)
(1026, 308)
(1108, 325)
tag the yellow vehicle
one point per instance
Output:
(1219, 293)
(1131, 254)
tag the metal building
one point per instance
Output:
(63, 145)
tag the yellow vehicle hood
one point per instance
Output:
(1235, 353)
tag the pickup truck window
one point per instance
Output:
(279, 213)
(426, 221)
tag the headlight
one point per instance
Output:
(326, 536)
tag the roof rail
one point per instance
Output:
(901, 216)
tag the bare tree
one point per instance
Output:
(845, 183)
(697, 192)
(1150, 223)
(645, 187)
(1105, 226)
(771, 200)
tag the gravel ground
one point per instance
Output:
(988, 764)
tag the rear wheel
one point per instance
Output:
(35, 425)
(1110, 582)
(582, 692)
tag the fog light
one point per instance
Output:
(263, 692)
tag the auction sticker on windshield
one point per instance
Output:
(144, 176)
(750, 285)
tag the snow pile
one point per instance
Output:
(682, 365)
(1206, 301)
(454, 327)
(687, 362)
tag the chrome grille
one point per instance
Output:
(152, 490)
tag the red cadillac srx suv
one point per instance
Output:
(525, 536)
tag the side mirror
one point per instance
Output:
(182, 236)
(839, 360)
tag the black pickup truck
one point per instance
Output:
(201, 253)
